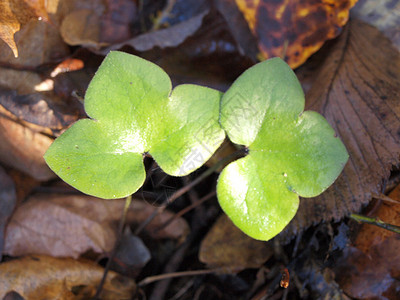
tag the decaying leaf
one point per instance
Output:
(70, 225)
(45, 277)
(39, 111)
(58, 226)
(357, 92)
(97, 23)
(372, 264)
(13, 14)
(23, 149)
(226, 246)
(383, 14)
(294, 29)
(38, 43)
(163, 38)
(8, 199)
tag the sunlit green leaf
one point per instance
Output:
(291, 152)
(134, 112)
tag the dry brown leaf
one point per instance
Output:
(45, 277)
(225, 246)
(70, 225)
(96, 23)
(59, 226)
(357, 89)
(163, 38)
(38, 43)
(43, 112)
(81, 27)
(14, 13)
(23, 149)
(383, 14)
(372, 264)
(294, 29)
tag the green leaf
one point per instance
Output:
(291, 152)
(134, 112)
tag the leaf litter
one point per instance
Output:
(353, 81)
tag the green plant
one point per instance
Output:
(134, 112)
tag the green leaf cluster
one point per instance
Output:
(134, 111)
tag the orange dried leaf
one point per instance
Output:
(45, 277)
(15, 13)
(294, 29)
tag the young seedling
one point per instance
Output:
(291, 153)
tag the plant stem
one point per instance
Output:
(151, 279)
(186, 188)
(128, 201)
(376, 222)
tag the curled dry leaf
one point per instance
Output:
(357, 89)
(45, 277)
(8, 199)
(226, 246)
(13, 14)
(38, 43)
(372, 264)
(163, 38)
(294, 29)
(70, 225)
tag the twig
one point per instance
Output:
(185, 210)
(152, 279)
(385, 198)
(376, 222)
(186, 188)
(128, 201)
(166, 12)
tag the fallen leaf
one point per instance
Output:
(13, 14)
(58, 226)
(23, 149)
(226, 246)
(163, 38)
(38, 43)
(383, 14)
(81, 27)
(294, 29)
(70, 225)
(357, 92)
(96, 23)
(8, 200)
(247, 43)
(43, 112)
(116, 23)
(372, 263)
(45, 277)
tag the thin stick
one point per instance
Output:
(186, 188)
(152, 279)
(385, 198)
(185, 210)
(376, 222)
(128, 201)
